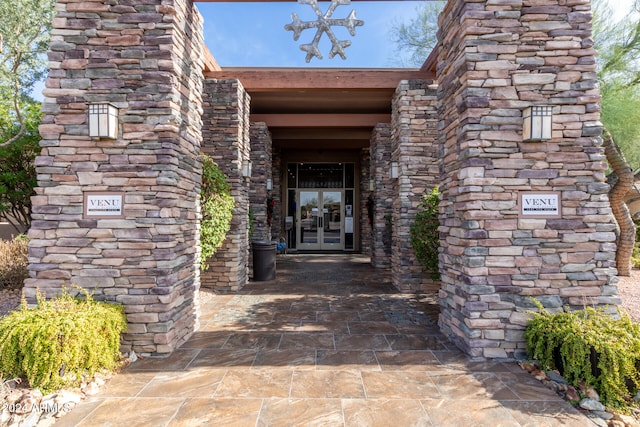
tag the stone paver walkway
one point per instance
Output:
(328, 343)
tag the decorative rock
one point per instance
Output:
(592, 394)
(572, 394)
(597, 420)
(539, 375)
(91, 388)
(602, 414)
(591, 404)
(555, 376)
(528, 366)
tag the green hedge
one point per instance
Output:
(217, 209)
(425, 237)
(61, 341)
(589, 346)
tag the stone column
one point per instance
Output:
(365, 192)
(414, 122)
(382, 196)
(496, 60)
(277, 225)
(144, 58)
(226, 139)
(261, 171)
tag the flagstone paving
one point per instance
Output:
(328, 343)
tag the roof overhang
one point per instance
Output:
(320, 107)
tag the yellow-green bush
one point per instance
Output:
(61, 341)
(589, 346)
(635, 258)
(13, 263)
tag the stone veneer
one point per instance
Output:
(365, 226)
(379, 164)
(414, 123)
(261, 159)
(226, 139)
(144, 58)
(277, 226)
(495, 59)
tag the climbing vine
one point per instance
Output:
(217, 209)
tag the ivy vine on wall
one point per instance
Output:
(217, 209)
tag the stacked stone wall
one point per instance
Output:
(414, 122)
(496, 59)
(144, 58)
(380, 160)
(226, 139)
(261, 159)
(277, 225)
(365, 191)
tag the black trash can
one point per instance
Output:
(264, 261)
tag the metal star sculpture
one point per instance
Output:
(323, 25)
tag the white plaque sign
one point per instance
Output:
(103, 205)
(540, 205)
(348, 224)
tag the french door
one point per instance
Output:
(319, 219)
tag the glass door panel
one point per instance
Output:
(308, 219)
(332, 219)
(320, 221)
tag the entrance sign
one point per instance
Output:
(539, 205)
(103, 205)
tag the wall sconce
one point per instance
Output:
(372, 184)
(269, 184)
(394, 170)
(246, 169)
(537, 123)
(103, 121)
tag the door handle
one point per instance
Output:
(320, 222)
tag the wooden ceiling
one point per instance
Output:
(313, 107)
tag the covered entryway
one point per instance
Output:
(464, 133)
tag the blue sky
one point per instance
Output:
(253, 34)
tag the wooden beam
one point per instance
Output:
(276, 79)
(431, 63)
(210, 63)
(321, 120)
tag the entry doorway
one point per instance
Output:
(320, 206)
(319, 219)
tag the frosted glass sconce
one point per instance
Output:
(103, 121)
(246, 169)
(394, 170)
(537, 123)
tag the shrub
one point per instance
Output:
(217, 209)
(589, 346)
(13, 263)
(635, 258)
(61, 341)
(425, 238)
